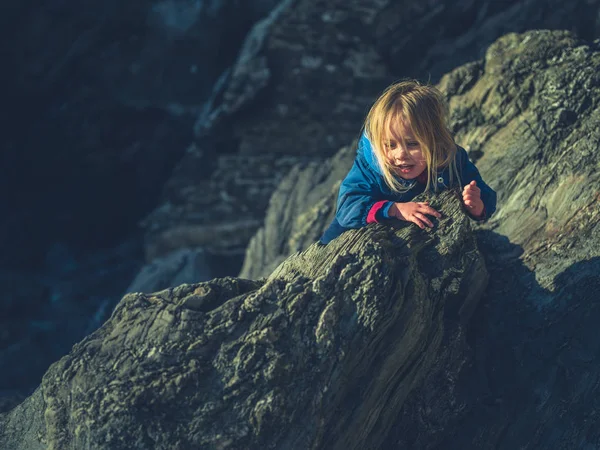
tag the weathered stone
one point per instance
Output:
(535, 372)
(180, 267)
(322, 354)
(299, 210)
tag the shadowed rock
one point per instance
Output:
(322, 354)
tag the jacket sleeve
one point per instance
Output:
(359, 192)
(468, 172)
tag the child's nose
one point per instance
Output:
(400, 151)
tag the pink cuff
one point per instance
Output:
(376, 207)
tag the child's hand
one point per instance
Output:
(414, 212)
(471, 195)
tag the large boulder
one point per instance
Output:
(322, 354)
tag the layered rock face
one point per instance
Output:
(322, 354)
(106, 102)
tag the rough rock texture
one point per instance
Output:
(322, 354)
(537, 372)
(299, 210)
(528, 113)
(302, 86)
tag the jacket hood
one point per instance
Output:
(364, 147)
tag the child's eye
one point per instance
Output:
(413, 144)
(390, 145)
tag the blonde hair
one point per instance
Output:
(423, 108)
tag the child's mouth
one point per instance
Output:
(405, 168)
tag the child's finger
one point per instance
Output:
(470, 188)
(417, 222)
(472, 193)
(423, 218)
(429, 210)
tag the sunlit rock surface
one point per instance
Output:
(322, 354)
(528, 113)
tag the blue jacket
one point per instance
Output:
(364, 186)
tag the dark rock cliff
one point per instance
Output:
(100, 101)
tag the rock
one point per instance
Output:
(299, 211)
(277, 109)
(436, 37)
(532, 345)
(180, 267)
(100, 102)
(542, 164)
(113, 90)
(219, 213)
(322, 354)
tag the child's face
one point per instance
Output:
(403, 151)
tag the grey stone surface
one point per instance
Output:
(255, 357)
(322, 354)
(180, 267)
(99, 102)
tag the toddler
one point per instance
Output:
(406, 149)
